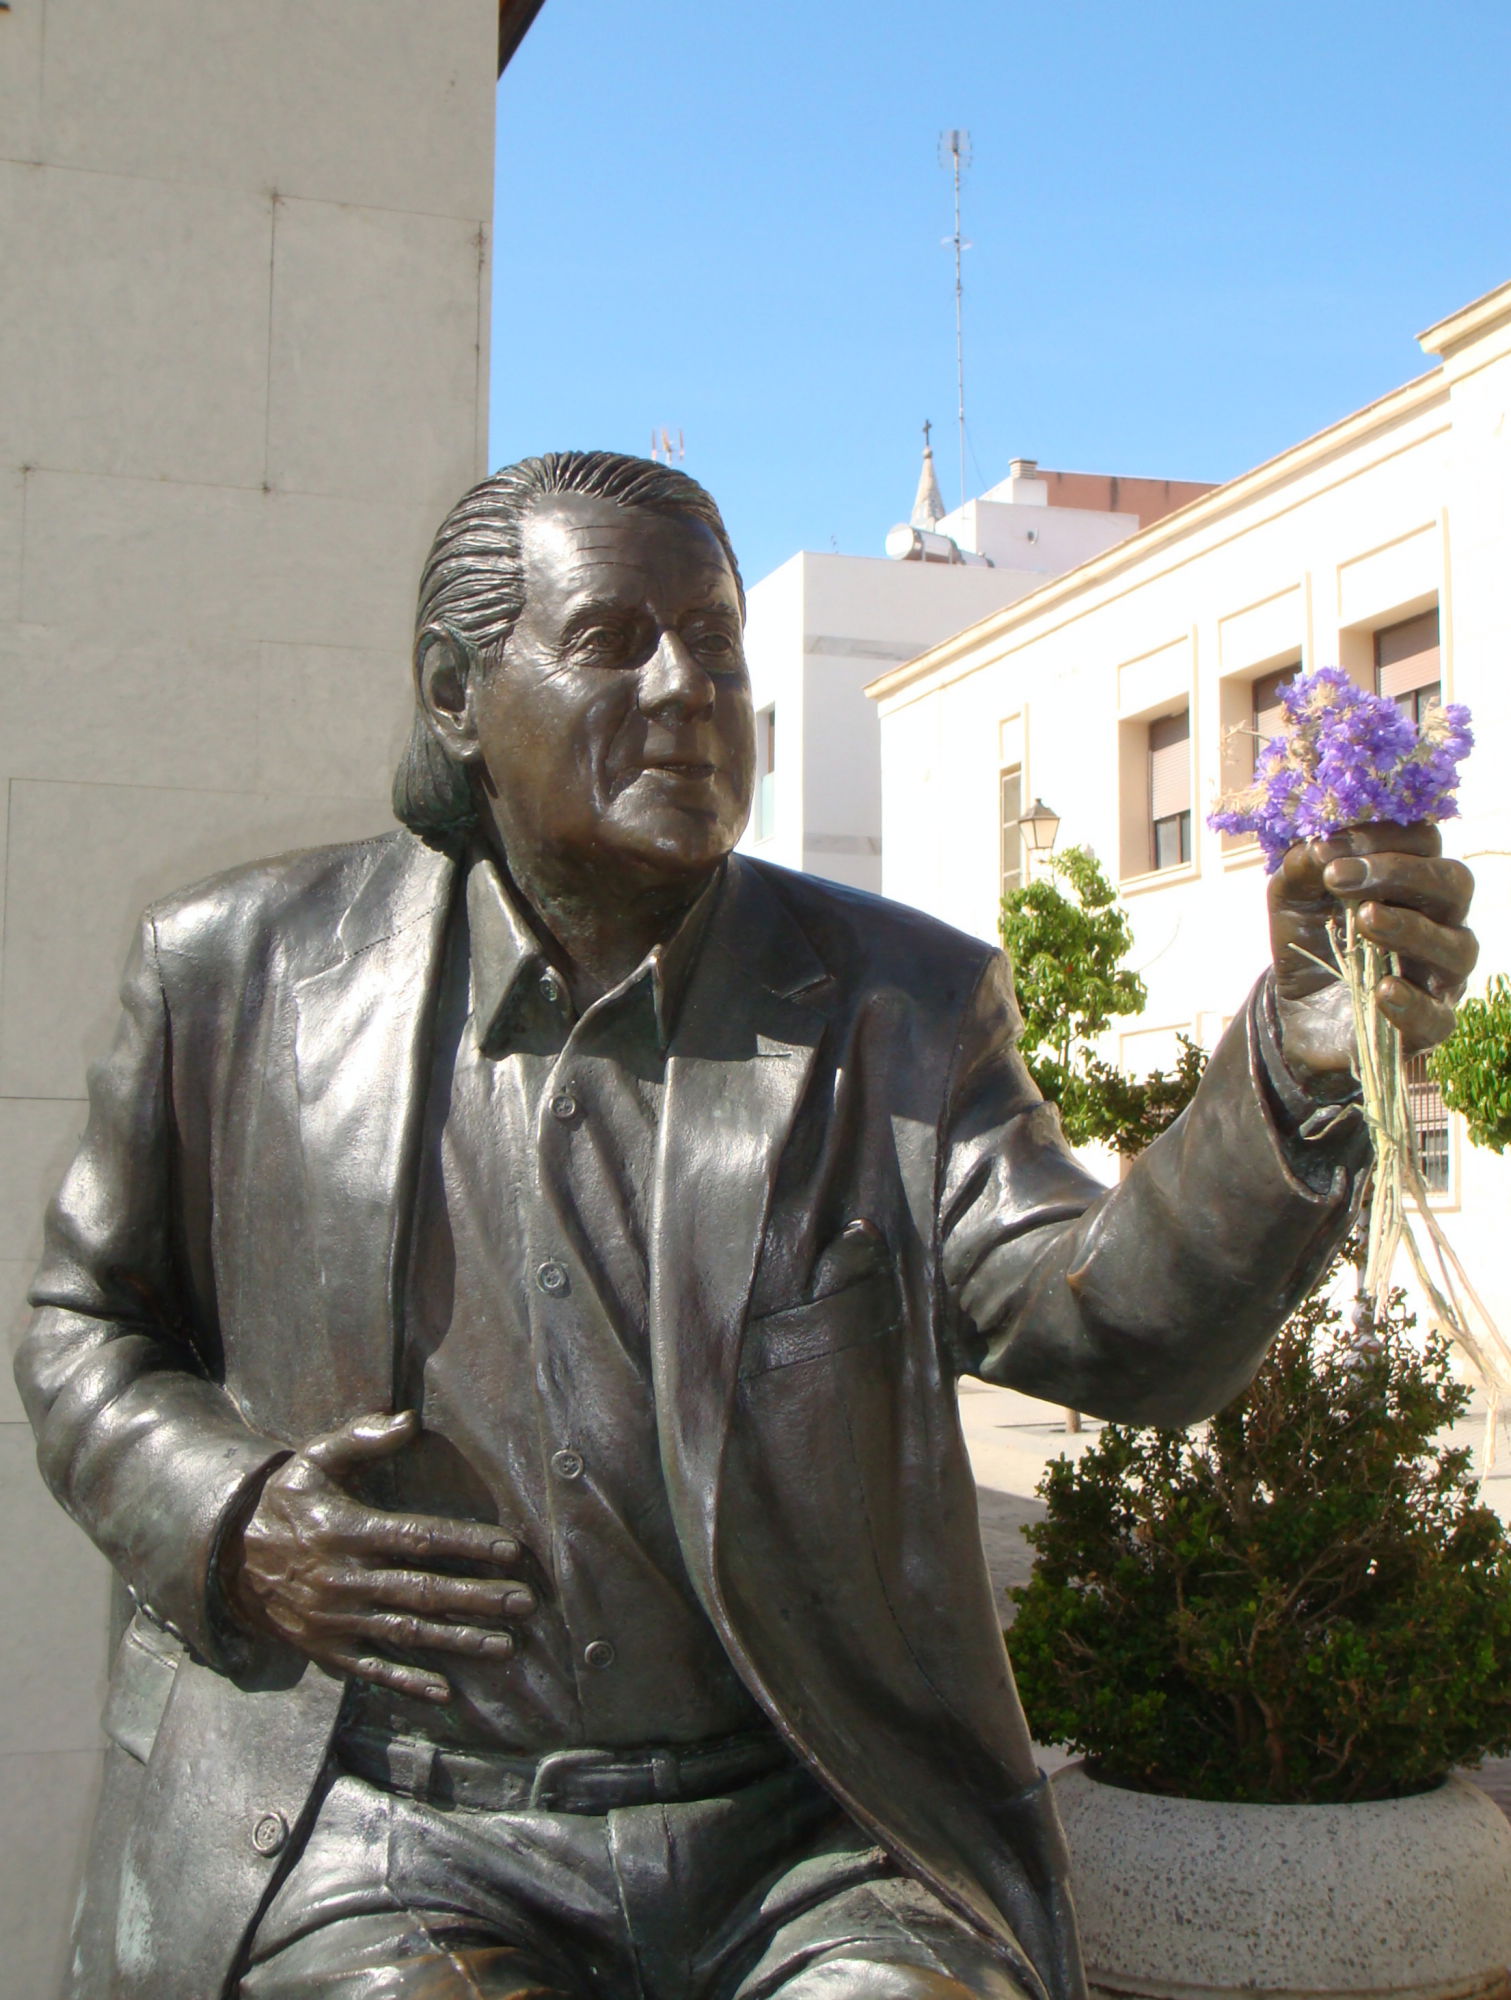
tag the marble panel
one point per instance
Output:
(15, 1276)
(104, 710)
(136, 341)
(84, 861)
(367, 101)
(12, 523)
(19, 195)
(21, 82)
(343, 572)
(330, 719)
(38, 1136)
(389, 105)
(375, 366)
(141, 558)
(41, 1872)
(185, 92)
(55, 1587)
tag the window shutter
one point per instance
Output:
(1269, 716)
(1012, 833)
(1170, 765)
(1408, 656)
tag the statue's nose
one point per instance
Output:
(674, 686)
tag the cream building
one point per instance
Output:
(245, 330)
(1127, 695)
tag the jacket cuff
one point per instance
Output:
(176, 1577)
(1318, 1133)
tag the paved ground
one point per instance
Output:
(1011, 1439)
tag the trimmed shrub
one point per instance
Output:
(1300, 1601)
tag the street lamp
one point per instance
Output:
(1040, 824)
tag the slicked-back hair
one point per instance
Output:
(472, 591)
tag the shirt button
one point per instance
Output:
(550, 987)
(598, 1653)
(552, 1278)
(568, 1464)
(564, 1107)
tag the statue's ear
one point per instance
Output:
(445, 672)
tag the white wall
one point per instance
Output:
(1407, 503)
(1031, 535)
(244, 337)
(821, 627)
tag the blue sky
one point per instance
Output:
(1200, 233)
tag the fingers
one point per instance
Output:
(435, 1596)
(361, 1442)
(1435, 955)
(415, 1682)
(1382, 836)
(420, 1540)
(1437, 888)
(1422, 1020)
(403, 1632)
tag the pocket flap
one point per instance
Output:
(140, 1684)
(863, 1311)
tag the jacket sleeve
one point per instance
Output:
(1151, 1302)
(145, 1451)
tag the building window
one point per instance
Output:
(1268, 719)
(765, 815)
(1012, 833)
(1429, 1119)
(1408, 663)
(1170, 790)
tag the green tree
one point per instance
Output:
(1474, 1066)
(1068, 947)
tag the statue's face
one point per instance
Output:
(615, 727)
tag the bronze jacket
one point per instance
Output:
(224, 1268)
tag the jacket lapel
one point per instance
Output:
(361, 1053)
(739, 1062)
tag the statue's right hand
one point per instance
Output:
(349, 1585)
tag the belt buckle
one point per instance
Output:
(663, 1770)
(557, 1764)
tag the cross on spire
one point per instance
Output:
(928, 502)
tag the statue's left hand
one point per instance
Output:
(1411, 901)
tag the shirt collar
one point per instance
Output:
(513, 983)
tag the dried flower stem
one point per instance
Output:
(1399, 1205)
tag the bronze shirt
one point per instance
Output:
(526, 1348)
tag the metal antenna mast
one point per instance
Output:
(955, 153)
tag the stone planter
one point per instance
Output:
(1182, 1899)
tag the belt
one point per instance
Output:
(569, 1781)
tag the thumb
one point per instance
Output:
(376, 1435)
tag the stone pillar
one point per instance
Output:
(244, 335)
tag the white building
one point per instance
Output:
(1126, 694)
(822, 626)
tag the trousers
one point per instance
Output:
(769, 1891)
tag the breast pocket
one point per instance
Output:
(867, 1309)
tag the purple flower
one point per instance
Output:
(1346, 758)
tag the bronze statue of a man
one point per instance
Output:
(502, 1324)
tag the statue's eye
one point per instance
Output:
(599, 642)
(712, 642)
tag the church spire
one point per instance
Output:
(928, 503)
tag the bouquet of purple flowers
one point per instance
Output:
(1351, 758)
(1347, 758)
